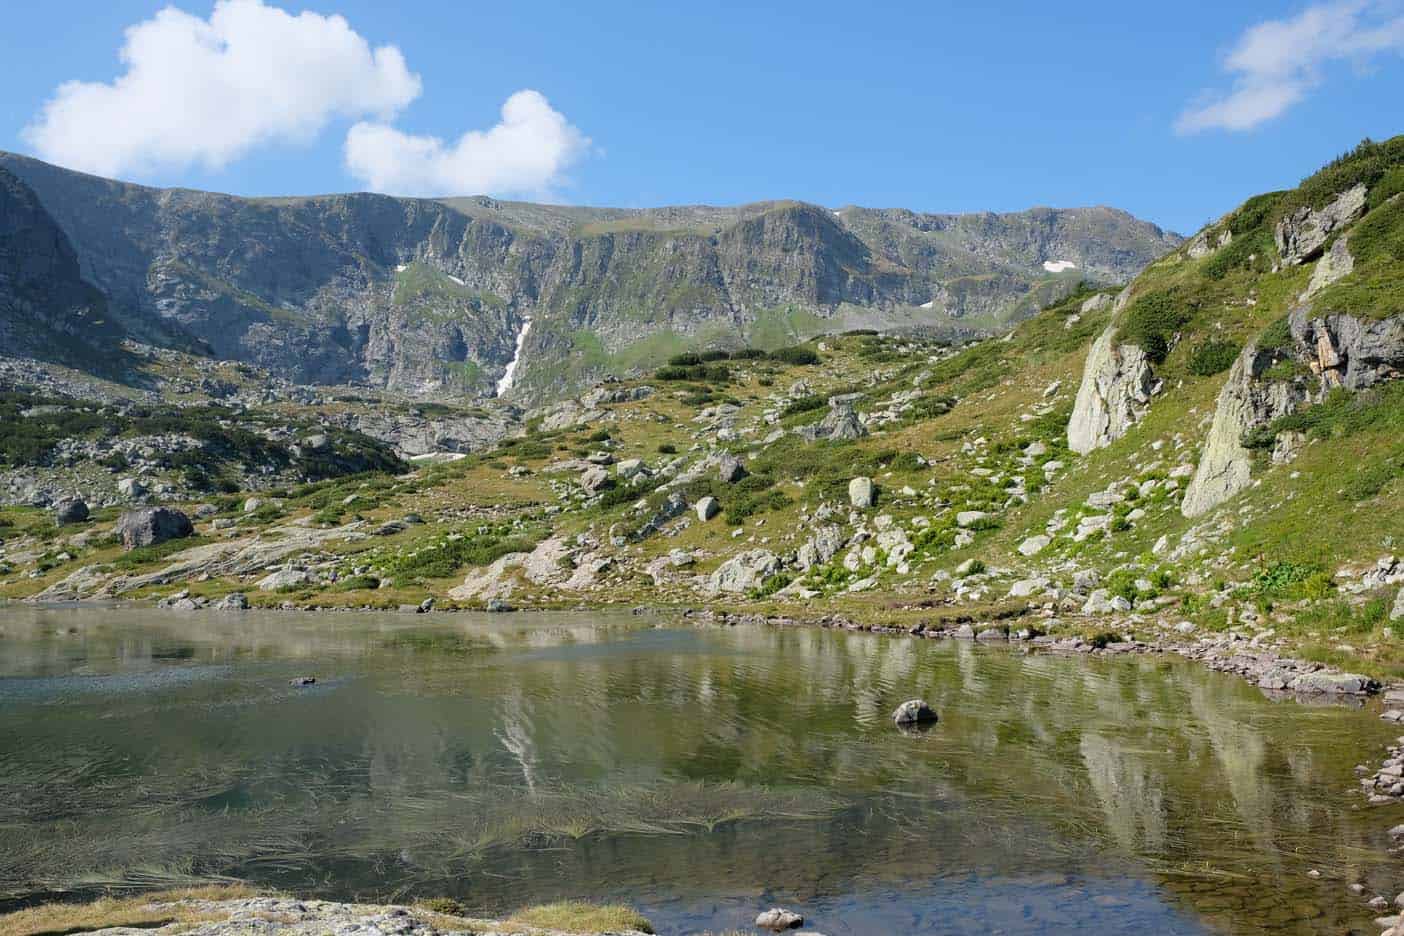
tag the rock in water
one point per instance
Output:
(234, 601)
(1225, 466)
(914, 711)
(779, 919)
(304, 681)
(1113, 396)
(69, 511)
(152, 525)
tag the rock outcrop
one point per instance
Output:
(1349, 352)
(1117, 382)
(1301, 235)
(1333, 265)
(1245, 402)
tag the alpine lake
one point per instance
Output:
(698, 773)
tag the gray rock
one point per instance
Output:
(130, 487)
(1245, 402)
(968, 518)
(707, 508)
(1301, 235)
(1115, 393)
(913, 711)
(1397, 612)
(1096, 304)
(729, 469)
(285, 578)
(1333, 265)
(252, 504)
(1026, 588)
(499, 606)
(629, 468)
(69, 511)
(861, 493)
(1333, 684)
(779, 919)
(1034, 545)
(743, 572)
(152, 525)
(234, 601)
(595, 479)
(1347, 351)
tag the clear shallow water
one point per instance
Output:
(701, 774)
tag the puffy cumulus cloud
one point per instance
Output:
(1276, 63)
(527, 153)
(205, 92)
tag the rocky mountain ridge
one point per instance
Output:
(429, 297)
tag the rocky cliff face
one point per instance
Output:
(429, 296)
(1245, 402)
(47, 311)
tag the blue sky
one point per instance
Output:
(1174, 114)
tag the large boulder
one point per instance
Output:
(69, 511)
(152, 525)
(821, 547)
(729, 469)
(1114, 394)
(707, 508)
(1301, 235)
(861, 493)
(1245, 402)
(741, 573)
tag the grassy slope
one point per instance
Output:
(1336, 506)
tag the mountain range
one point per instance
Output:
(472, 298)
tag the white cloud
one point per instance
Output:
(205, 92)
(1277, 62)
(526, 153)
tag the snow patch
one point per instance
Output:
(401, 268)
(929, 304)
(510, 374)
(457, 280)
(1058, 266)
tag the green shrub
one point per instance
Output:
(667, 448)
(1152, 320)
(1212, 357)
(797, 355)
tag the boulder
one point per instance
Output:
(69, 511)
(1397, 612)
(1034, 545)
(285, 578)
(1027, 588)
(821, 547)
(252, 504)
(968, 518)
(234, 601)
(707, 508)
(1301, 235)
(1333, 684)
(1095, 304)
(779, 919)
(152, 525)
(630, 468)
(743, 572)
(729, 469)
(914, 711)
(595, 479)
(861, 493)
(1115, 392)
(130, 487)
(1245, 402)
